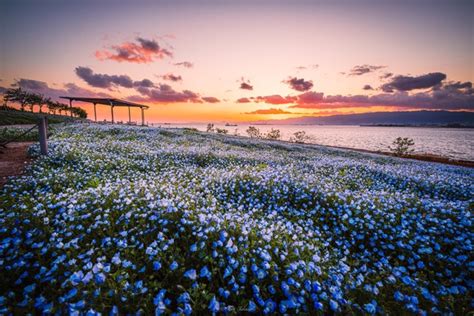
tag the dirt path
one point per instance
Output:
(13, 160)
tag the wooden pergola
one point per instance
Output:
(112, 103)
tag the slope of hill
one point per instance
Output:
(13, 117)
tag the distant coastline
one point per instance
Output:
(419, 125)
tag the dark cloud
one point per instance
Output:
(310, 98)
(150, 45)
(185, 64)
(243, 100)
(147, 83)
(299, 84)
(211, 99)
(458, 85)
(68, 89)
(30, 84)
(164, 93)
(103, 80)
(246, 86)
(109, 81)
(408, 83)
(171, 77)
(270, 111)
(442, 98)
(386, 75)
(368, 87)
(364, 69)
(275, 99)
(141, 51)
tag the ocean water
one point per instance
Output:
(457, 143)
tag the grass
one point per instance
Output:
(16, 117)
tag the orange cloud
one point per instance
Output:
(270, 111)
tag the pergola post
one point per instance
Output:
(129, 116)
(143, 116)
(70, 107)
(95, 112)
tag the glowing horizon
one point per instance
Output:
(207, 61)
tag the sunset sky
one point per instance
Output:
(243, 60)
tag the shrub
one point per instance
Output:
(402, 146)
(299, 137)
(253, 132)
(221, 130)
(210, 128)
(273, 134)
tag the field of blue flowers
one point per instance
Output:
(121, 220)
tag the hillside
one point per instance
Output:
(385, 118)
(152, 221)
(13, 117)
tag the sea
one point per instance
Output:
(454, 143)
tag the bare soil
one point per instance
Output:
(13, 160)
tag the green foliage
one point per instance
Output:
(13, 117)
(9, 133)
(402, 146)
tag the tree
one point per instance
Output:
(210, 128)
(61, 107)
(33, 98)
(253, 132)
(299, 137)
(78, 112)
(52, 106)
(43, 102)
(273, 134)
(17, 95)
(402, 146)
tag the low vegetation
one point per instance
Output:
(402, 146)
(131, 220)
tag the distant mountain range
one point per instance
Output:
(417, 118)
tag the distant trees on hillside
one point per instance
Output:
(29, 100)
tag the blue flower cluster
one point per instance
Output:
(128, 220)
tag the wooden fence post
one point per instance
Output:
(43, 135)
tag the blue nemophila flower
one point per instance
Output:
(191, 274)
(173, 266)
(30, 288)
(371, 307)
(398, 296)
(70, 294)
(334, 305)
(205, 273)
(156, 265)
(214, 305)
(252, 307)
(100, 278)
(193, 248)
